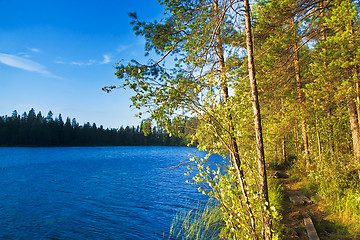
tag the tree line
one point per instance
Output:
(31, 129)
(296, 60)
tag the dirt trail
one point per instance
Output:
(293, 214)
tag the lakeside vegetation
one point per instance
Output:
(35, 130)
(296, 60)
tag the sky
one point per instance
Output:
(57, 55)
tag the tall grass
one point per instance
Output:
(207, 222)
(333, 184)
(204, 223)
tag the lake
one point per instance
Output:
(93, 192)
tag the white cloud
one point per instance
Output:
(107, 59)
(24, 64)
(91, 62)
(26, 54)
(123, 48)
(138, 43)
(60, 62)
(34, 50)
(88, 63)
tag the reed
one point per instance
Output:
(201, 223)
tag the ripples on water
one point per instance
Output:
(93, 192)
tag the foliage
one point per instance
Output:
(35, 130)
(307, 60)
(219, 181)
(327, 35)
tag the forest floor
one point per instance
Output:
(293, 215)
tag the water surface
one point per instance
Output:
(93, 192)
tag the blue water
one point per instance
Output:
(93, 192)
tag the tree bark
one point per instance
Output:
(318, 138)
(296, 133)
(233, 143)
(257, 120)
(301, 97)
(329, 113)
(276, 151)
(357, 83)
(284, 149)
(355, 130)
(356, 111)
(330, 131)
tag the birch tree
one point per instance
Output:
(204, 39)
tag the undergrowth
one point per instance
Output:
(204, 223)
(334, 186)
(208, 222)
(276, 198)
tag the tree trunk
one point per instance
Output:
(276, 152)
(355, 131)
(301, 98)
(323, 29)
(296, 133)
(318, 133)
(257, 120)
(318, 138)
(284, 149)
(357, 91)
(358, 109)
(330, 131)
(329, 114)
(233, 143)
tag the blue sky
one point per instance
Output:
(57, 55)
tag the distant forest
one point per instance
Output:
(31, 129)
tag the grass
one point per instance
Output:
(196, 224)
(335, 189)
